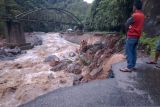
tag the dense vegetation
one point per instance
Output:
(103, 15)
(108, 15)
(150, 43)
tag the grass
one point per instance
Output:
(150, 42)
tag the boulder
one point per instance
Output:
(60, 66)
(72, 54)
(54, 63)
(83, 46)
(85, 70)
(14, 51)
(77, 79)
(37, 41)
(8, 53)
(96, 71)
(51, 58)
(74, 68)
(34, 40)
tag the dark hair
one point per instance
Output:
(138, 4)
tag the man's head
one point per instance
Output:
(137, 5)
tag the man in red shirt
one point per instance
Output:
(134, 27)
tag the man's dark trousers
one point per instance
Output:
(131, 52)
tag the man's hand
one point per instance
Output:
(129, 22)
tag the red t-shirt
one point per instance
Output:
(135, 29)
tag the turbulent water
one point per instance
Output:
(27, 77)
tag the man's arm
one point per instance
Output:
(128, 23)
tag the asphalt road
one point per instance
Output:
(139, 88)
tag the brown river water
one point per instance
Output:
(28, 76)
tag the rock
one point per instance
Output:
(23, 52)
(72, 54)
(14, 51)
(111, 74)
(54, 63)
(51, 58)
(85, 70)
(77, 79)
(63, 81)
(26, 46)
(89, 55)
(84, 60)
(59, 67)
(2, 56)
(95, 47)
(95, 72)
(9, 54)
(86, 78)
(2, 51)
(83, 46)
(74, 68)
(37, 41)
(34, 40)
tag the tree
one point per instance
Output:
(14, 7)
(108, 15)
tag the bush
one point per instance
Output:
(150, 42)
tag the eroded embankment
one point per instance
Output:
(96, 55)
(56, 63)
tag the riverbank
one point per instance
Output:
(138, 88)
(60, 61)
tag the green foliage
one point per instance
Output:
(150, 42)
(108, 15)
(15, 7)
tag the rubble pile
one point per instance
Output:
(93, 60)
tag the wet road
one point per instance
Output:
(139, 88)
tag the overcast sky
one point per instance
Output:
(89, 1)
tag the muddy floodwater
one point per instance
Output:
(28, 76)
